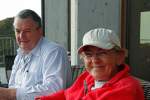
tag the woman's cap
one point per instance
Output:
(101, 38)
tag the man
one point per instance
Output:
(40, 67)
(107, 76)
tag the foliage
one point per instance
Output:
(6, 27)
(7, 39)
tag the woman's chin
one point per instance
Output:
(99, 75)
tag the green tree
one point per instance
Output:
(6, 27)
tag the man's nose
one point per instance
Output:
(22, 34)
(96, 59)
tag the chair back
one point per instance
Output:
(76, 71)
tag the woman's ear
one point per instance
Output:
(121, 55)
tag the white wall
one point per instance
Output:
(91, 14)
(56, 21)
(85, 15)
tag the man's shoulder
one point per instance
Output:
(46, 44)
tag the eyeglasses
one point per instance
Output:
(88, 54)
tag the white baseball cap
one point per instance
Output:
(101, 38)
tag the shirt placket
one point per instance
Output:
(22, 72)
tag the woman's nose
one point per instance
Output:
(95, 58)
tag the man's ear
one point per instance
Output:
(40, 29)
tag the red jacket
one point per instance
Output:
(121, 87)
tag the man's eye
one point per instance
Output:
(17, 31)
(27, 31)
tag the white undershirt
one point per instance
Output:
(98, 84)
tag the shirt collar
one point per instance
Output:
(98, 84)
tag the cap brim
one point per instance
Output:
(82, 48)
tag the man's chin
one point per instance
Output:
(25, 49)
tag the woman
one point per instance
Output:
(107, 76)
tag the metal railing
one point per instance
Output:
(8, 46)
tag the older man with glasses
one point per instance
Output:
(106, 76)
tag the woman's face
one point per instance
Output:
(100, 63)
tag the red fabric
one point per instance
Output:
(56, 96)
(121, 87)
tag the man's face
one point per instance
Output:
(100, 63)
(27, 33)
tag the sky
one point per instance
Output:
(9, 8)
